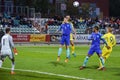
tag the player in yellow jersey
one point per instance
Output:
(111, 41)
(72, 37)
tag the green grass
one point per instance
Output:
(44, 59)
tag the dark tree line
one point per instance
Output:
(39, 5)
(44, 5)
(114, 8)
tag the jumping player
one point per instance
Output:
(72, 37)
(65, 39)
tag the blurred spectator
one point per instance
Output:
(29, 24)
(81, 23)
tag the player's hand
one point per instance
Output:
(108, 47)
(15, 51)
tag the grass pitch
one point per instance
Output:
(43, 59)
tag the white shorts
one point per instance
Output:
(6, 53)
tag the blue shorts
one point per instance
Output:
(65, 40)
(94, 49)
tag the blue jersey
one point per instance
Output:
(66, 29)
(95, 45)
(95, 37)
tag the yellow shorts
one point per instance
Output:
(106, 52)
(71, 37)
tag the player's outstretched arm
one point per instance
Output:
(104, 41)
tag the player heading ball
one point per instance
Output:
(66, 29)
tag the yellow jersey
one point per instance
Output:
(110, 39)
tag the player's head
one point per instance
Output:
(68, 17)
(96, 29)
(65, 20)
(7, 30)
(109, 29)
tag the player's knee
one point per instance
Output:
(60, 46)
(71, 43)
(1, 59)
(13, 59)
(89, 55)
(67, 47)
(99, 55)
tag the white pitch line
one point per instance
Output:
(51, 74)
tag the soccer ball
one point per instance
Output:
(75, 3)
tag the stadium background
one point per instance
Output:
(33, 23)
(25, 21)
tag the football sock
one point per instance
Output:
(68, 52)
(59, 51)
(13, 66)
(85, 61)
(102, 61)
(73, 49)
(1, 63)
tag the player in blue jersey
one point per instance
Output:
(95, 47)
(65, 39)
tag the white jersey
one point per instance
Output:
(6, 42)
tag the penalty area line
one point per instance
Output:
(51, 74)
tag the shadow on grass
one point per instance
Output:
(55, 63)
(93, 67)
(115, 71)
(88, 67)
(117, 74)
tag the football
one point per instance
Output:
(75, 3)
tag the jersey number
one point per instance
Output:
(111, 40)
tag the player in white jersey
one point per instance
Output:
(6, 49)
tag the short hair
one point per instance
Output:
(7, 30)
(109, 28)
(96, 27)
(68, 17)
